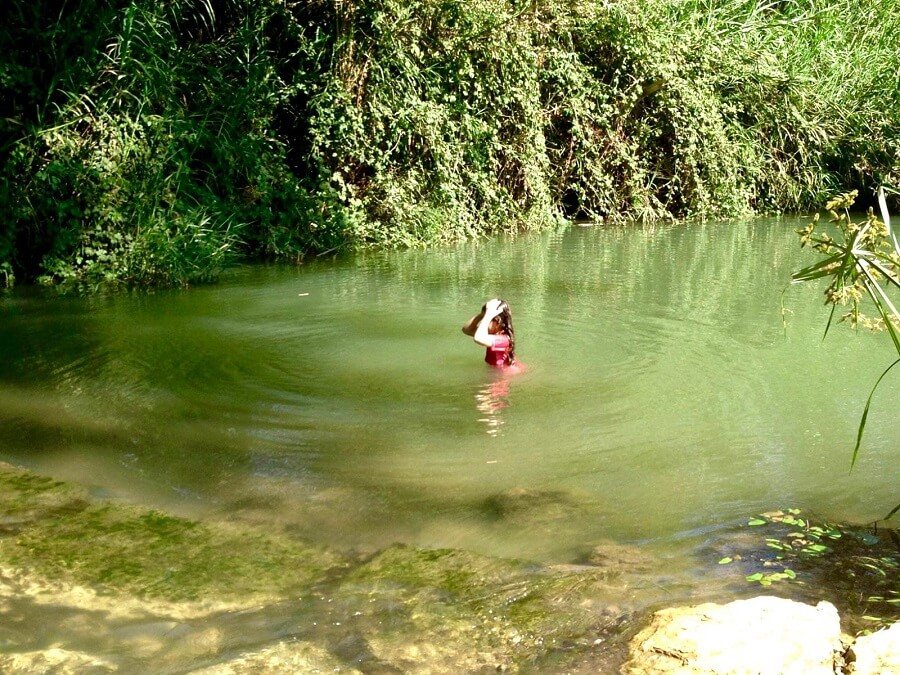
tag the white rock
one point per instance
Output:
(758, 636)
(877, 654)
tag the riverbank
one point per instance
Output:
(87, 583)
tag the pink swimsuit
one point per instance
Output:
(498, 353)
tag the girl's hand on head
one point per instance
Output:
(492, 307)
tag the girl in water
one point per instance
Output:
(492, 328)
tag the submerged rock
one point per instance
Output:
(284, 657)
(622, 558)
(760, 635)
(57, 661)
(453, 611)
(524, 506)
(55, 533)
(142, 587)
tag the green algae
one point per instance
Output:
(403, 607)
(524, 614)
(52, 530)
(26, 495)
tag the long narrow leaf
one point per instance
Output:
(893, 511)
(830, 321)
(874, 290)
(875, 262)
(816, 271)
(886, 217)
(864, 266)
(865, 415)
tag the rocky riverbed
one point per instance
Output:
(93, 586)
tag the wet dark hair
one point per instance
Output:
(506, 327)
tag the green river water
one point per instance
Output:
(663, 398)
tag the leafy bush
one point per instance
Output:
(155, 142)
(161, 164)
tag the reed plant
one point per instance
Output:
(862, 263)
(155, 142)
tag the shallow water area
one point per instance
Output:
(664, 399)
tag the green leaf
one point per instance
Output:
(862, 421)
(755, 577)
(874, 568)
(817, 270)
(756, 521)
(726, 560)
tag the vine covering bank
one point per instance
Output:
(147, 142)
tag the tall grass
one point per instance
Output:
(155, 142)
(817, 83)
(156, 160)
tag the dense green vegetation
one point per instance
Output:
(147, 142)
